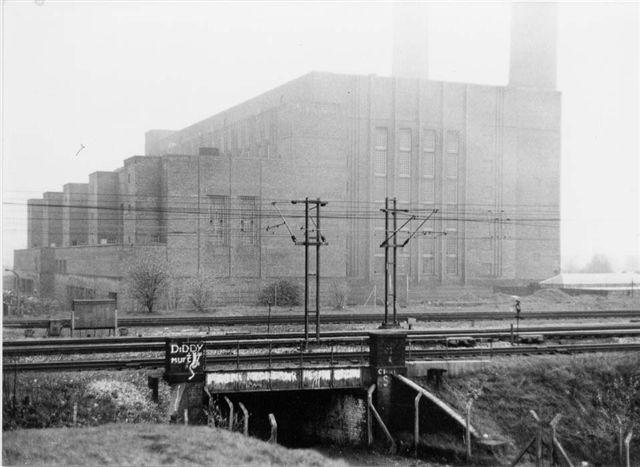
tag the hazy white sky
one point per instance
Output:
(102, 73)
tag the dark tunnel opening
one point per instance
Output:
(304, 418)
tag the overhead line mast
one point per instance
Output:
(387, 245)
(318, 241)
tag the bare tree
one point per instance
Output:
(200, 292)
(174, 293)
(147, 278)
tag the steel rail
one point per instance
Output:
(301, 357)
(163, 321)
(150, 344)
(324, 335)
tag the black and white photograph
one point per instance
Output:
(320, 233)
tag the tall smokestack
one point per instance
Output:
(533, 45)
(410, 40)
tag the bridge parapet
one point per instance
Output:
(288, 379)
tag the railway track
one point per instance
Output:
(255, 320)
(26, 347)
(357, 357)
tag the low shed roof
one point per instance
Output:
(594, 281)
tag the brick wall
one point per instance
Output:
(35, 213)
(75, 214)
(52, 219)
(104, 212)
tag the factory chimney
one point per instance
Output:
(533, 45)
(410, 40)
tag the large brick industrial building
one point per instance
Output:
(487, 157)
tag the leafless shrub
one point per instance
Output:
(200, 292)
(340, 294)
(174, 293)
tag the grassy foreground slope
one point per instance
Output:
(588, 390)
(148, 444)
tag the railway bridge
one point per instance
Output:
(369, 401)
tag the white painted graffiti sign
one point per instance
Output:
(185, 360)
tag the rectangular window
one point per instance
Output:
(452, 240)
(404, 164)
(452, 249)
(404, 190)
(452, 141)
(428, 246)
(219, 220)
(451, 165)
(404, 140)
(452, 264)
(380, 151)
(404, 153)
(451, 191)
(429, 141)
(428, 265)
(429, 164)
(429, 191)
(248, 220)
(379, 189)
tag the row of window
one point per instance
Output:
(405, 147)
(428, 164)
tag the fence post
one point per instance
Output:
(230, 404)
(553, 424)
(369, 422)
(75, 414)
(468, 429)
(245, 419)
(620, 441)
(186, 416)
(274, 429)
(416, 424)
(627, 442)
(538, 438)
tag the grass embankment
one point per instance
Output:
(44, 400)
(148, 444)
(589, 391)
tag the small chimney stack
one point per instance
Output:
(410, 59)
(533, 45)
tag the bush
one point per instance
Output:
(281, 293)
(47, 400)
(30, 304)
(200, 292)
(339, 294)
